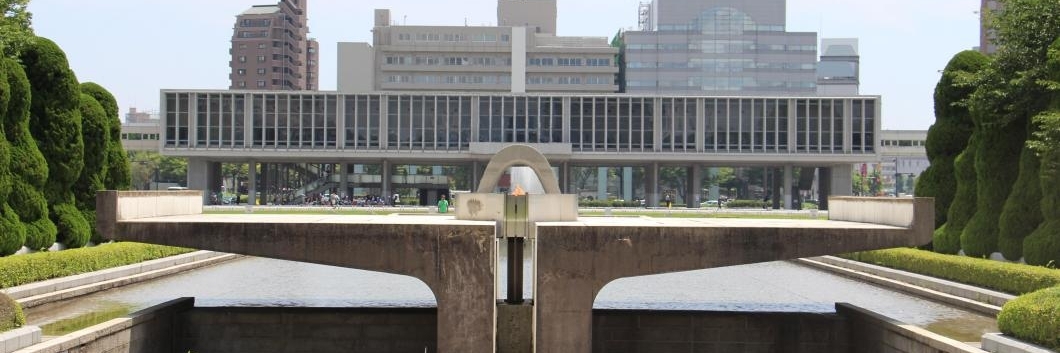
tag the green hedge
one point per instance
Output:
(1022, 212)
(947, 239)
(23, 269)
(747, 204)
(11, 316)
(996, 162)
(1042, 247)
(1001, 276)
(1033, 317)
(609, 203)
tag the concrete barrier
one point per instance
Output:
(145, 331)
(19, 338)
(998, 343)
(871, 332)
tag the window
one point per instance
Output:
(261, 71)
(242, 84)
(242, 46)
(261, 58)
(404, 36)
(312, 50)
(505, 38)
(261, 45)
(242, 58)
(598, 62)
(261, 83)
(241, 72)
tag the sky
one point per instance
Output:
(135, 48)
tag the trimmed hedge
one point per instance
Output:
(947, 239)
(11, 316)
(29, 174)
(1001, 276)
(950, 133)
(1033, 317)
(747, 204)
(1022, 212)
(29, 268)
(1042, 247)
(997, 158)
(609, 203)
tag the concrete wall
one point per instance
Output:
(717, 332)
(875, 333)
(309, 330)
(356, 67)
(147, 331)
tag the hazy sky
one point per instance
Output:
(134, 48)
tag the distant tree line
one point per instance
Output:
(995, 144)
(62, 142)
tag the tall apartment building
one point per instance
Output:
(522, 54)
(986, 36)
(271, 49)
(722, 47)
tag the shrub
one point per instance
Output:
(73, 229)
(117, 174)
(23, 269)
(1042, 247)
(947, 239)
(95, 133)
(11, 316)
(14, 233)
(1033, 317)
(55, 118)
(1022, 212)
(746, 204)
(608, 203)
(950, 133)
(29, 175)
(998, 154)
(1001, 276)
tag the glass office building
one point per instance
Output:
(726, 47)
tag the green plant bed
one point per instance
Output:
(1001, 276)
(1033, 317)
(11, 316)
(22, 269)
(747, 204)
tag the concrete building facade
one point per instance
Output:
(394, 128)
(839, 71)
(271, 49)
(718, 47)
(523, 54)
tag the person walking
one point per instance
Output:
(443, 205)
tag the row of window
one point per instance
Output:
(139, 137)
(450, 79)
(723, 65)
(596, 123)
(568, 80)
(453, 37)
(724, 84)
(722, 47)
(255, 23)
(903, 143)
(568, 62)
(448, 60)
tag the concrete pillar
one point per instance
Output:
(715, 189)
(266, 181)
(601, 183)
(385, 180)
(564, 178)
(787, 185)
(694, 193)
(627, 183)
(651, 187)
(842, 181)
(476, 175)
(777, 182)
(344, 179)
(252, 183)
(824, 186)
(197, 174)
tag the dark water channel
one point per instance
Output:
(772, 287)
